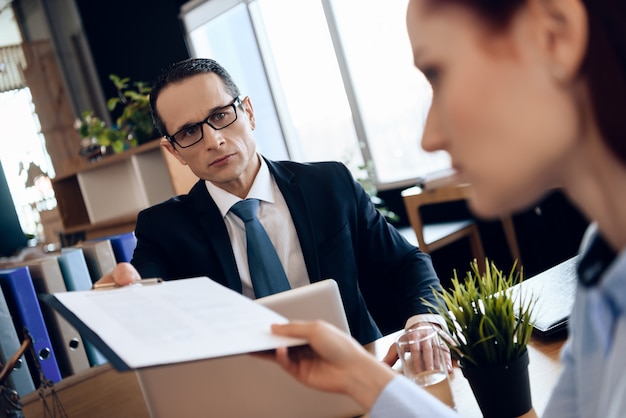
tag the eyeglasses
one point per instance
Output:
(219, 119)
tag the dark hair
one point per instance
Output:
(604, 65)
(605, 70)
(180, 71)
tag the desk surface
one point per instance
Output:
(104, 392)
(544, 370)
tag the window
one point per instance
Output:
(27, 165)
(336, 76)
(25, 161)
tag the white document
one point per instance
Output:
(174, 321)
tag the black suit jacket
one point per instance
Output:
(341, 234)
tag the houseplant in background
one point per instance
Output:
(489, 327)
(133, 126)
(98, 138)
(136, 118)
(366, 180)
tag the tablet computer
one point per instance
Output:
(242, 385)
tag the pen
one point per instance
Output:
(113, 285)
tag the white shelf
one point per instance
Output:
(125, 187)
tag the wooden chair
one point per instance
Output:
(432, 236)
(511, 239)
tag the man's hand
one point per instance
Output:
(122, 275)
(392, 354)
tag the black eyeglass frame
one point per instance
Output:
(235, 103)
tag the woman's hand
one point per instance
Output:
(332, 362)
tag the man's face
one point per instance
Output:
(226, 157)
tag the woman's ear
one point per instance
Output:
(564, 34)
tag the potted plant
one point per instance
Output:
(489, 327)
(367, 182)
(136, 118)
(134, 125)
(98, 138)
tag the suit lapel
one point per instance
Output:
(216, 233)
(294, 197)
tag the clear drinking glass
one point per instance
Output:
(421, 353)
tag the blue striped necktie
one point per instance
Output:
(266, 271)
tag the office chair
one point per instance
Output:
(433, 236)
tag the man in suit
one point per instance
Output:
(321, 222)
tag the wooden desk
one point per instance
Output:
(544, 370)
(100, 392)
(104, 392)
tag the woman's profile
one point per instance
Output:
(528, 96)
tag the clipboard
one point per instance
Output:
(168, 322)
(212, 387)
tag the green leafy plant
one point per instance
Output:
(370, 188)
(92, 127)
(135, 118)
(134, 125)
(488, 323)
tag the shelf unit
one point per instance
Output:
(105, 197)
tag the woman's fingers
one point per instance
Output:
(391, 357)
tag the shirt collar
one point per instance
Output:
(597, 257)
(261, 189)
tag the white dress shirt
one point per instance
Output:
(275, 217)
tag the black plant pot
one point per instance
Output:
(501, 391)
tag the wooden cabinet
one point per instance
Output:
(98, 392)
(104, 197)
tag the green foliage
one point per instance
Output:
(370, 188)
(132, 126)
(135, 118)
(488, 324)
(90, 126)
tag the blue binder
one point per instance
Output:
(74, 268)
(20, 378)
(123, 245)
(76, 276)
(18, 287)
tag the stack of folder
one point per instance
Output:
(20, 295)
(123, 245)
(20, 378)
(60, 349)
